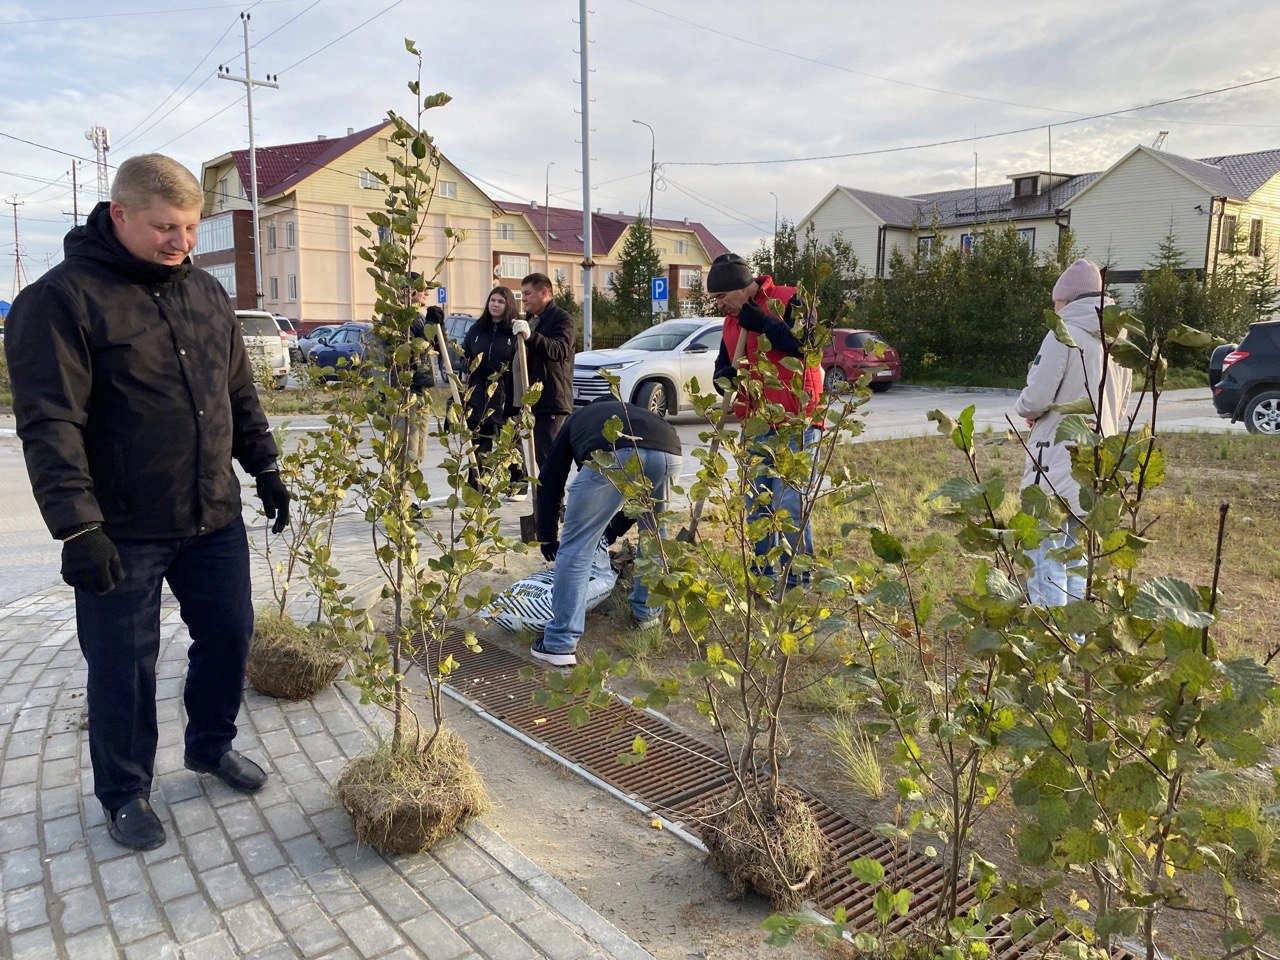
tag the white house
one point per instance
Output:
(1119, 215)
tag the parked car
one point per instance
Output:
(350, 342)
(308, 342)
(289, 332)
(265, 345)
(1245, 379)
(456, 327)
(654, 367)
(854, 352)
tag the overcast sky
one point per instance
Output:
(719, 80)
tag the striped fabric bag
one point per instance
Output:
(526, 604)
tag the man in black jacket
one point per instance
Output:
(592, 507)
(133, 393)
(550, 336)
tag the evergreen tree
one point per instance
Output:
(698, 304)
(567, 302)
(630, 286)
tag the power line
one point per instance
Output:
(385, 9)
(135, 13)
(968, 139)
(233, 103)
(312, 6)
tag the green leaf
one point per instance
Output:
(1079, 405)
(1129, 355)
(1133, 787)
(957, 489)
(1058, 328)
(1249, 679)
(962, 435)
(890, 593)
(1167, 598)
(944, 422)
(887, 547)
(1121, 923)
(867, 870)
(1186, 336)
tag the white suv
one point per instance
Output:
(655, 366)
(265, 343)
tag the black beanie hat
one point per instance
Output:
(729, 272)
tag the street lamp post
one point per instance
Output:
(653, 151)
(546, 222)
(775, 229)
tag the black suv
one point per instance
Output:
(1245, 379)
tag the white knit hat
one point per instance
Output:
(1080, 278)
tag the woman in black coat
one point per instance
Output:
(488, 358)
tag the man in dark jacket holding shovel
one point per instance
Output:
(592, 506)
(133, 393)
(550, 337)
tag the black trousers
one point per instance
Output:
(120, 637)
(546, 427)
(486, 435)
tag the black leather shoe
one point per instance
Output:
(136, 825)
(234, 769)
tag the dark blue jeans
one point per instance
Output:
(120, 638)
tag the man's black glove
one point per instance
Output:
(751, 317)
(90, 562)
(549, 550)
(275, 499)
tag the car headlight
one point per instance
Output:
(615, 367)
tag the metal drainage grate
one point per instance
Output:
(680, 775)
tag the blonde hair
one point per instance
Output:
(143, 178)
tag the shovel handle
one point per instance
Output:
(726, 404)
(442, 343)
(520, 374)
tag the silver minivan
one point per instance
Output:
(266, 345)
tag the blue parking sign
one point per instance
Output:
(659, 288)
(441, 296)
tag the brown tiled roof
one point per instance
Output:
(284, 166)
(564, 224)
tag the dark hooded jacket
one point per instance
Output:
(133, 392)
(550, 359)
(489, 355)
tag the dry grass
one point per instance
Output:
(407, 802)
(856, 753)
(287, 660)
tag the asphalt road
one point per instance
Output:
(29, 558)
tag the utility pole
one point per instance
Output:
(546, 222)
(775, 229)
(100, 137)
(75, 197)
(653, 167)
(249, 84)
(587, 263)
(17, 247)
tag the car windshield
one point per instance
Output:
(665, 336)
(259, 325)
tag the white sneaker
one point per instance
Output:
(519, 493)
(538, 652)
(648, 622)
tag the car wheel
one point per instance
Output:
(837, 381)
(653, 397)
(1262, 414)
(880, 386)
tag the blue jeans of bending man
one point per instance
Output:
(1052, 582)
(782, 496)
(590, 504)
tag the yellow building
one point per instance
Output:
(315, 193)
(531, 237)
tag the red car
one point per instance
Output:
(853, 352)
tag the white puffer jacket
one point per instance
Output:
(1059, 376)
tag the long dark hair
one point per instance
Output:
(509, 314)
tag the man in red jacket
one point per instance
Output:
(745, 298)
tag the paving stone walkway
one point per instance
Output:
(273, 876)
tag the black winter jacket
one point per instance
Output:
(133, 392)
(550, 358)
(495, 346)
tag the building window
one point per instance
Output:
(271, 238)
(384, 234)
(1255, 237)
(681, 248)
(661, 252)
(506, 231)
(689, 279)
(969, 243)
(290, 234)
(1028, 236)
(1227, 237)
(513, 265)
(223, 186)
(214, 234)
(273, 285)
(368, 181)
(609, 276)
(1026, 186)
(924, 247)
(561, 276)
(293, 287)
(383, 145)
(447, 189)
(225, 274)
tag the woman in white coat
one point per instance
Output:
(1060, 375)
